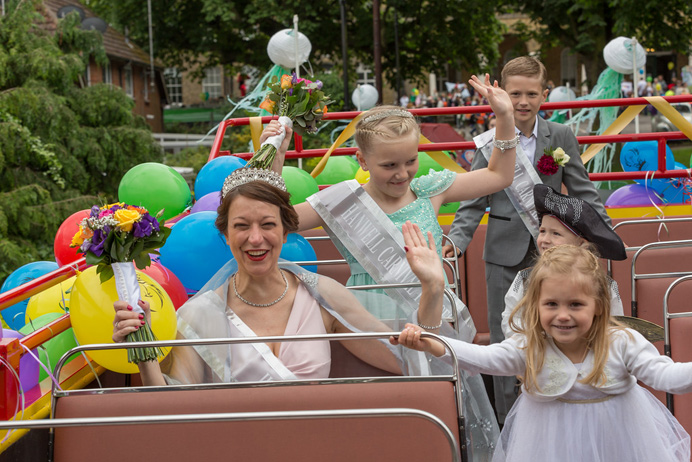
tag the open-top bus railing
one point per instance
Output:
(661, 137)
(405, 391)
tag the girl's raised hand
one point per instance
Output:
(498, 98)
(422, 255)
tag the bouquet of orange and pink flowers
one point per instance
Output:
(112, 237)
(299, 103)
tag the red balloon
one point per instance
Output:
(169, 281)
(64, 254)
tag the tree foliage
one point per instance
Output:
(62, 148)
(586, 26)
(194, 34)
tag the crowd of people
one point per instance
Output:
(655, 86)
(576, 368)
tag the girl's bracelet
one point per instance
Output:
(504, 145)
(430, 327)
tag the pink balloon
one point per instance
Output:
(631, 195)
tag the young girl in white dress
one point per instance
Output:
(579, 373)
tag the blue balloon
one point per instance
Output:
(637, 156)
(14, 315)
(195, 250)
(211, 177)
(297, 248)
(642, 156)
(672, 189)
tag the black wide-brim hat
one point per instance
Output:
(582, 218)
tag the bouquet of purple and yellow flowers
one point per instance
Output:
(112, 237)
(299, 103)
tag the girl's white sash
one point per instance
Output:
(355, 222)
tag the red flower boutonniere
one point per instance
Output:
(551, 160)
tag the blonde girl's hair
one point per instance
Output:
(566, 261)
(384, 123)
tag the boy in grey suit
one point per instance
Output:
(509, 245)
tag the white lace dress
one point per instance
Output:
(569, 421)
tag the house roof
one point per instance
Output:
(116, 44)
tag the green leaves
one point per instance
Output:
(62, 147)
(586, 26)
(197, 33)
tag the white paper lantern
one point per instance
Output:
(619, 55)
(364, 97)
(561, 94)
(282, 49)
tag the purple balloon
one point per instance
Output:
(28, 366)
(633, 194)
(207, 203)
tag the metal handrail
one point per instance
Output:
(661, 220)
(667, 316)
(454, 377)
(634, 276)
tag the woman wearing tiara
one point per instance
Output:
(256, 294)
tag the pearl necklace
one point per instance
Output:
(262, 305)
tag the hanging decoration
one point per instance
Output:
(364, 97)
(286, 52)
(621, 55)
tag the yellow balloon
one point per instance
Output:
(91, 312)
(362, 176)
(53, 300)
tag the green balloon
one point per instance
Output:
(54, 348)
(155, 187)
(450, 207)
(425, 163)
(338, 169)
(299, 184)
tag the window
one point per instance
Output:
(145, 81)
(211, 84)
(174, 85)
(128, 84)
(365, 75)
(87, 76)
(568, 67)
(108, 74)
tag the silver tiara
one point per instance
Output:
(392, 112)
(246, 175)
